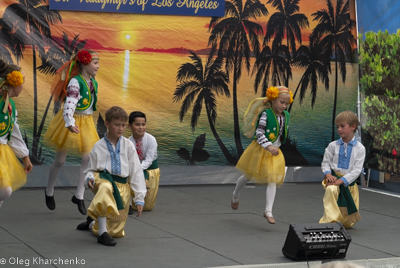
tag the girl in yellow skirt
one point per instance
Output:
(73, 128)
(266, 121)
(12, 174)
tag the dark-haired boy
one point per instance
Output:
(146, 147)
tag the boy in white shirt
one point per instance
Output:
(342, 164)
(146, 147)
(113, 172)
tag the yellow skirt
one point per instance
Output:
(260, 166)
(152, 190)
(59, 137)
(12, 173)
(104, 205)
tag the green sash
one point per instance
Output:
(154, 165)
(345, 199)
(114, 178)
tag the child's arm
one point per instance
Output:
(91, 169)
(326, 163)
(70, 105)
(19, 147)
(136, 178)
(150, 153)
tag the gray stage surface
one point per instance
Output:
(192, 226)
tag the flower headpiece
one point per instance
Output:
(274, 92)
(84, 57)
(14, 79)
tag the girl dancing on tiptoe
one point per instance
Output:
(73, 128)
(266, 120)
(12, 174)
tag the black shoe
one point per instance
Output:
(84, 226)
(130, 210)
(50, 203)
(80, 203)
(106, 239)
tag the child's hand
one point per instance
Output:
(329, 178)
(91, 184)
(74, 129)
(337, 182)
(27, 163)
(273, 150)
(139, 210)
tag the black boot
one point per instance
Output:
(85, 225)
(50, 203)
(106, 239)
(80, 203)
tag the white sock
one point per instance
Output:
(102, 225)
(270, 197)
(1, 203)
(239, 186)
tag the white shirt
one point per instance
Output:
(16, 142)
(336, 162)
(73, 96)
(126, 164)
(149, 147)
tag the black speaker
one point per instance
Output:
(310, 241)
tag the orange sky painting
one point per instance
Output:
(162, 33)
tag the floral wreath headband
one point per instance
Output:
(85, 57)
(274, 92)
(14, 79)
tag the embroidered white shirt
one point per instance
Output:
(149, 147)
(332, 160)
(100, 160)
(73, 96)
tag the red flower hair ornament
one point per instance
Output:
(84, 57)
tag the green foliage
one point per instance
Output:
(380, 85)
(380, 63)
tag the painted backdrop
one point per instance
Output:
(193, 76)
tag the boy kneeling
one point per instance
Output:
(114, 169)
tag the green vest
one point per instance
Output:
(272, 129)
(84, 91)
(7, 120)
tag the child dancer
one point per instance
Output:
(263, 162)
(146, 147)
(73, 127)
(342, 164)
(12, 174)
(113, 172)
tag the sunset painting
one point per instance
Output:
(160, 65)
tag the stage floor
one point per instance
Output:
(191, 226)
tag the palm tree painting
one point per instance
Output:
(32, 19)
(335, 30)
(270, 65)
(286, 22)
(201, 85)
(198, 152)
(238, 37)
(317, 66)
